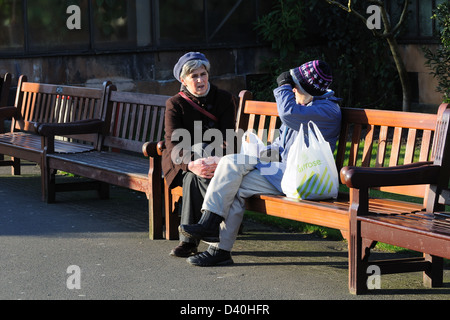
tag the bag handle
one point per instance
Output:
(198, 108)
(316, 131)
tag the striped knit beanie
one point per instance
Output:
(314, 77)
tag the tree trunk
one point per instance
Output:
(401, 69)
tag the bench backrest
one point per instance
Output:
(134, 118)
(381, 138)
(368, 138)
(48, 103)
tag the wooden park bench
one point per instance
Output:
(46, 103)
(129, 122)
(368, 138)
(425, 230)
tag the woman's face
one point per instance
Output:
(197, 81)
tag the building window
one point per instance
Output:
(210, 22)
(419, 28)
(121, 24)
(181, 22)
(11, 26)
(40, 26)
(46, 28)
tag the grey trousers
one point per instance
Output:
(235, 179)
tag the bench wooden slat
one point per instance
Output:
(272, 129)
(53, 89)
(140, 116)
(122, 164)
(368, 145)
(420, 121)
(421, 224)
(356, 138)
(382, 142)
(261, 108)
(410, 146)
(426, 145)
(395, 149)
(161, 123)
(261, 126)
(33, 142)
(125, 121)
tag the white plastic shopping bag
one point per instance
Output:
(311, 172)
(251, 145)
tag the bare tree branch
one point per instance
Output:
(402, 17)
(340, 5)
(349, 9)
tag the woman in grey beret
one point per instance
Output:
(198, 107)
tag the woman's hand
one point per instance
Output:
(204, 167)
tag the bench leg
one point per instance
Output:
(50, 185)
(155, 215)
(172, 221)
(15, 169)
(434, 277)
(103, 190)
(359, 251)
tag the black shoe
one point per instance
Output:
(211, 257)
(184, 249)
(208, 228)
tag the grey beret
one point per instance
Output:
(187, 57)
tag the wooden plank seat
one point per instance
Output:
(27, 141)
(378, 140)
(426, 231)
(130, 121)
(38, 103)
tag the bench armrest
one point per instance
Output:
(7, 112)
(410, 174)
(153, 149)
(76, 127)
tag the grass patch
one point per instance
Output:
(294, 226)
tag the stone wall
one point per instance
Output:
(148, 72)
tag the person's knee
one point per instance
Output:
(233, 159)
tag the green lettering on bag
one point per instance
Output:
(309, 165)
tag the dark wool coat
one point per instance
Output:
(180, 114)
